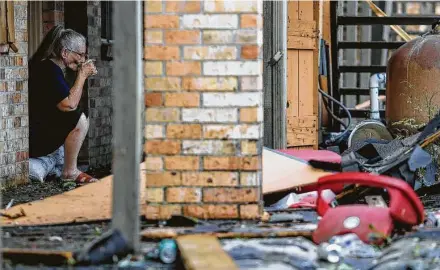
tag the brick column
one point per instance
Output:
(14, 145)
(99, 142)
(204, 108)
(53, 14)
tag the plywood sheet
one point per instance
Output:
(200, 252)
(283, 172)
(87, 203)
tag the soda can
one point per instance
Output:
(168, 251)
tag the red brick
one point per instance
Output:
(161, 21)
(158, 52)
(211, 211)
(249, 148)
(153, 37)
(249, 21)
(249, 51)
(163, 179)
(16, 98)
(162, 115)
(249, 115)
(153, 99)
(209, 179)
(153, 163)
(182, 37)
(161, 212)
(177, 131)
(231, 163)
(183, 194)
(160, 147)
(153, 6)
(162, 84)
(210, 83)
(231, 195)
(153, 68)
(3, 86)
(183, 6)
(154, 195)
(250, 211)
(184, 163)
(182, 100)
(184, 68)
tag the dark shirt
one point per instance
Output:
(47, 87)
(48, 126)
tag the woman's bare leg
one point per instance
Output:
(72, 145)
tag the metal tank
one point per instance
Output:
(413, 81)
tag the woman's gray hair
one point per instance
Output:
(64, 39)
(54, 42)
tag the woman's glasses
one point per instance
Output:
(85, 55)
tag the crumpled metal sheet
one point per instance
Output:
(410, 253)
(291, 253)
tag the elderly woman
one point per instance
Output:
(54, 116)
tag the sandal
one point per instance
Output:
(82, 179)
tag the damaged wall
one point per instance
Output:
(204, 108)
(14, 145)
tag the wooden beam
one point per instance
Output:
(127, 81)
(304, 230)
(201, 252)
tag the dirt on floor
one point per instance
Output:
(72, 237)
(34, 191)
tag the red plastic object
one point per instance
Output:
(405, 207)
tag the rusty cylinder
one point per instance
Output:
(413, 81)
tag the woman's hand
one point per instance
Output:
(87, 69)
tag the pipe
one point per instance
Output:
(375, 81)
(285, 19)
(320, 114)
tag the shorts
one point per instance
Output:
(44, 140)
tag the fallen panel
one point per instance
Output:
(200, 252)
(91, 202)
(283, 172)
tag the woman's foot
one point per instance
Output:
(80, 178)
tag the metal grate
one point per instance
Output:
(362, 44)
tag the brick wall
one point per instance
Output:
(203, 81)
(53, 14)
(14, 146)
(99, 142)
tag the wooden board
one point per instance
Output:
(87, 203)
(304, 230)
(302, 70)
(203, 252)
(282, 172)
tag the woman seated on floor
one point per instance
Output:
(55, 118)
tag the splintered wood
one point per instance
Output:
(201, 252)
